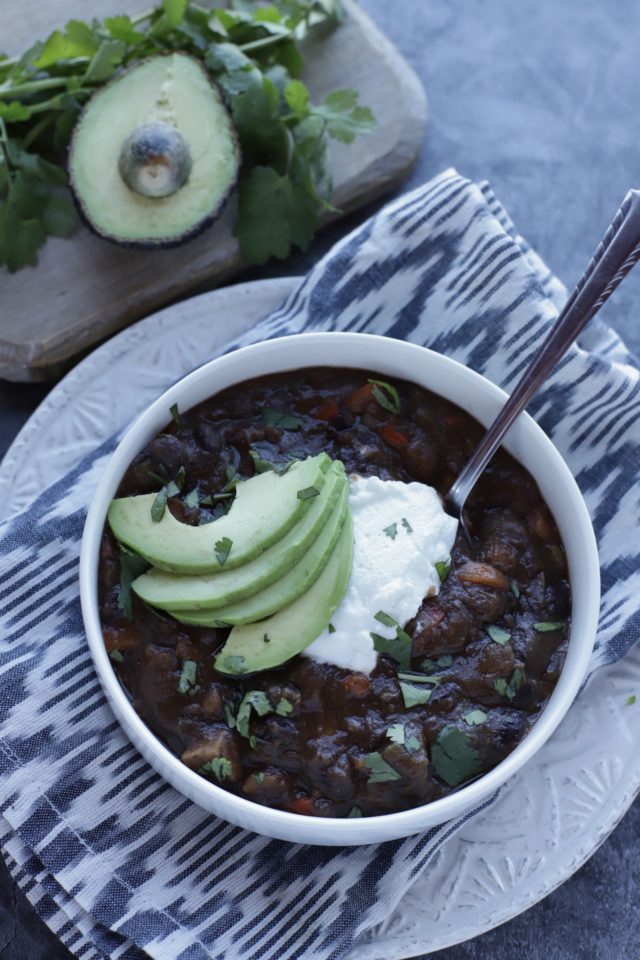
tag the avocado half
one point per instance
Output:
(154, 155)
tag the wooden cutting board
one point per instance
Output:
(85, 289)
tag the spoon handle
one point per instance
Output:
(618, 252)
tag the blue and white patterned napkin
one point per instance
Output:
(114, 860)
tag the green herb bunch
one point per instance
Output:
(254, 54)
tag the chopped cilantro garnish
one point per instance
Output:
(258, 777)
(223, 549)
(175, 414)
(405, 523)
(396, 732)
(131, 566)
(509, 689)
(386, 395)
(498, 635)
(159, 505)
(546, 626)
(631, 700)
(331, 628)
(252, 742)
(308, 493)
(475, 718)
(391, 531)
(156, 477)
(232, 476)
(253, 700)
(187, 682)
(398, 647)
(278, 418)
(117, 656)
(453, 757)
(284, 707)
(412, 743)
(221, 624)
(235, 665)
(231, 720)
(263, 466)
(171, 489)
(412, 695)
(355, 812)
(515, 589)
(430, 666)
(380, 770)
(220, 767)
(384, 618)
(192, 499)
(443, 569)
(419, 678)
(266, 638)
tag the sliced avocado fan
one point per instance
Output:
(274, 640)
(285, 590)
(209, 592)
(154, 154)
(265, 508)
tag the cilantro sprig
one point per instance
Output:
(253, 53)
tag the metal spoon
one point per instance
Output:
(618, 252)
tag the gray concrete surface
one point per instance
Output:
(541, 98)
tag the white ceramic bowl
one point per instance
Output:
(526, 442)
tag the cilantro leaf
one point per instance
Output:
(117, 656)
(498, 635)
(223, 549)
(220, 767)
(278, 418)
(308, 493)
(546, 626)
(475, 718)
(398, 647)
(131, 567)
(453, 757)
(396, 733)
(631, 700)
(159, 505)
(121, 28)
(255, 700)
(174, 11)
(188, 676)
(412, 695)
(386, 395)
(443, 569)
(509, 688)
(345, 119)
(274, 215)
(354, 812)
(391, 531)
(379, 770)
(284, 707)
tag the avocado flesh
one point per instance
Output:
(168, 591)
(285, 590)
(265, 508)
(274, 640)
(172, 89)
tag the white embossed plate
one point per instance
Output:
(554, 813)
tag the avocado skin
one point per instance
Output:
(161, 243)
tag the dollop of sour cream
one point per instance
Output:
(400, 532)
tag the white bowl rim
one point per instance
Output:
(282, 824)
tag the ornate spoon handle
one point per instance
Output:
(618, 252)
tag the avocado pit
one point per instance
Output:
(155, 160)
